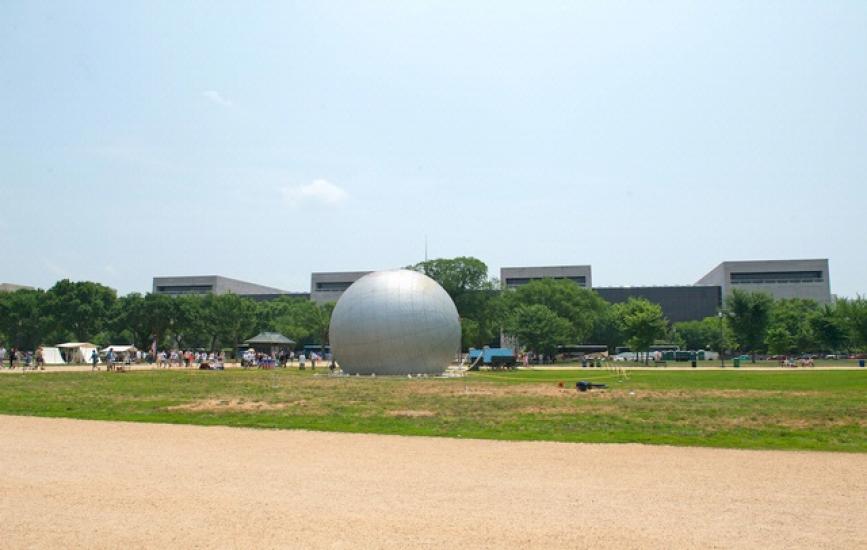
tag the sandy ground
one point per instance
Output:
(68, 483)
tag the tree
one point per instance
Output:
(829, 328)
(301, 320)
(127, 317)
(193, 321)
(692, 335)
(80, 307)
(581, 307)
(748, 316)
(460, 277)
(792, 316)
(779, 341)
(606, 329)
(21, 321)
(476, 298)
(538, 328)
(228, 319)
(853, 315)
(641, 322)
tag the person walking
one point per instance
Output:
(94, 359)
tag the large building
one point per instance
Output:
(779, 278)
(678, 303)
(215, 284)
(329, 286)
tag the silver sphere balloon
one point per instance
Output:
(395, 322)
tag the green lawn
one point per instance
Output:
(791, 409)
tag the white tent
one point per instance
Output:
(121, 353)
(52, 356)
(119, 349)
(78, 352)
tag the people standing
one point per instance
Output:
(94, 359)
(302, 361)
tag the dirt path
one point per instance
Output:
(67, 483)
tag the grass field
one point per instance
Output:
(791, 409)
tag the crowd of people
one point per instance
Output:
(24, 359)
(284, 358)
(112, 360)
(188, 359)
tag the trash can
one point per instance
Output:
(694, 365)
(861, 363)
(737, 362)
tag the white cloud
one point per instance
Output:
(215, 96)
(319, 191)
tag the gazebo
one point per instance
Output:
(270, 343)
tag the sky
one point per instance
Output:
(267, 140)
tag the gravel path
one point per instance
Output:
(68, 483)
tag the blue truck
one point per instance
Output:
(491, 357)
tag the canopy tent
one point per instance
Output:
(119, 349)
(121, 353)
(52, 356)
(270, 342)
(77, 352)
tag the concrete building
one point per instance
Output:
(779, 278)
(513, 277)
(330, 286)
(678, 303)
(9, 287)
(215, 284)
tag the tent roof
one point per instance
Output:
(269, 338)
(76, 345)
(121, 348)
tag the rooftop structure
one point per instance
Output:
(513, 277)
(330, 286)
(215, 284)
(779, 278)
(9, 287)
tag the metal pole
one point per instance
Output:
(721, 341)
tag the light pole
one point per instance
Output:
(722, 360)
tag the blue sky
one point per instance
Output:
(264, 141)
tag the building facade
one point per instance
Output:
(330, 286)
(779, 278)
(9, 287)
(678, 303)
(215, 284)
(513, 277)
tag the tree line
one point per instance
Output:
(541, 315)
(546, 313)
(91, 312)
